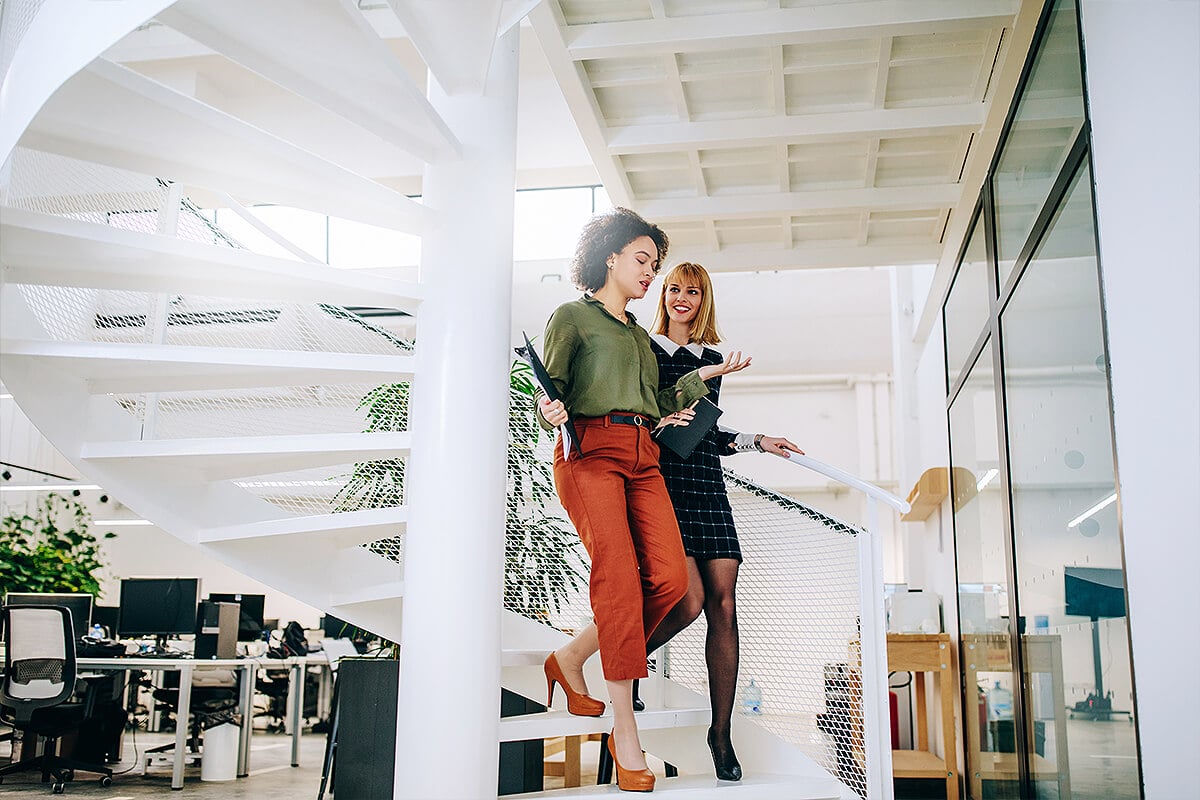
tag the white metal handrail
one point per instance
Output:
(841, 476)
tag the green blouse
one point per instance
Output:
(600, 365)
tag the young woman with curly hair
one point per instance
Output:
(607, 376)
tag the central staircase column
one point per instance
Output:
(449, 706)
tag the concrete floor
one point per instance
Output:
(271, 774)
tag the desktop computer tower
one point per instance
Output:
(216, 630)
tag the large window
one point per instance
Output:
(1048, 690)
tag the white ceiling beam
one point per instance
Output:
(743, 206)
(987, 65)
(832, 126)
(756, 258)
(548, 25)
(454, 39)
(881, 71)
(331, 55)
(710, 32)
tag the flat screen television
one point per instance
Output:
(1094, 592)
(159, 607)
(80, 606)
(250, 614)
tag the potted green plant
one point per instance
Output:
(543, 562)
(51, 549)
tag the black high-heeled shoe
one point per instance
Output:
(726, 765)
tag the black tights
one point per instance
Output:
(711, 590)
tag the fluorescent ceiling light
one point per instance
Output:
(283, 484)
(987, 478)
(1105, 503)
(48, 487)
(112, 523)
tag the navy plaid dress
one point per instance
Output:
(696, 485)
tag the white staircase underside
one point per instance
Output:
(317, 55)
(49, 250)
(226, 458)
(347, 530)
(112, 115)
(120, 368)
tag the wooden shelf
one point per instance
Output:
(934, 653)
(917, 764)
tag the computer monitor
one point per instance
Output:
(80, 606)
(250, 615)
(335, 628)
(159, 607)
(106, 617)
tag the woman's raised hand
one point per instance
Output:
(733, 363)
(553, 411)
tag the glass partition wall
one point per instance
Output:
(1048, 692)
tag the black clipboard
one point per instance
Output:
(543, 379)
(682, 439)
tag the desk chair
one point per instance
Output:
(38, 683)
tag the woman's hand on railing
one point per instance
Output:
(779, 446)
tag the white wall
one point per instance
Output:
(1143, 80)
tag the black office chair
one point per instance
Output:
(36, 691)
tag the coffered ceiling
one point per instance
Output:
(783, 133)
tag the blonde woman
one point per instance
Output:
(683, 335)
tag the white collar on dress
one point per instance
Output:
(695, 348)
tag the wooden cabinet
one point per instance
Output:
(921, 653)
(1043, 657)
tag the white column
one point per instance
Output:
(1143, 81)
(449, 704)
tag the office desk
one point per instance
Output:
(186, 667)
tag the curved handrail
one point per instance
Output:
(841, 476)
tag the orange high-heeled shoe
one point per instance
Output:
(640, 780)
(579, 704)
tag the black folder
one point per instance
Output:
(543, 379)
(682, 439)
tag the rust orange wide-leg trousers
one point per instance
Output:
(618, 502)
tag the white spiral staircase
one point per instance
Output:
(216, 391)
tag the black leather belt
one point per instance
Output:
(631, 419)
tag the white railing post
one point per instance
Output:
(874, 671)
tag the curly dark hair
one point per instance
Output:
(607, 234)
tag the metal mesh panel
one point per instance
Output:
(84, 190)
(15, 16)
(106, 315)
(797, 606)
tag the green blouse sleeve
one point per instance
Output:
(560, 342)
(686, 391)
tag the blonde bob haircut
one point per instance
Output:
(704, 326)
